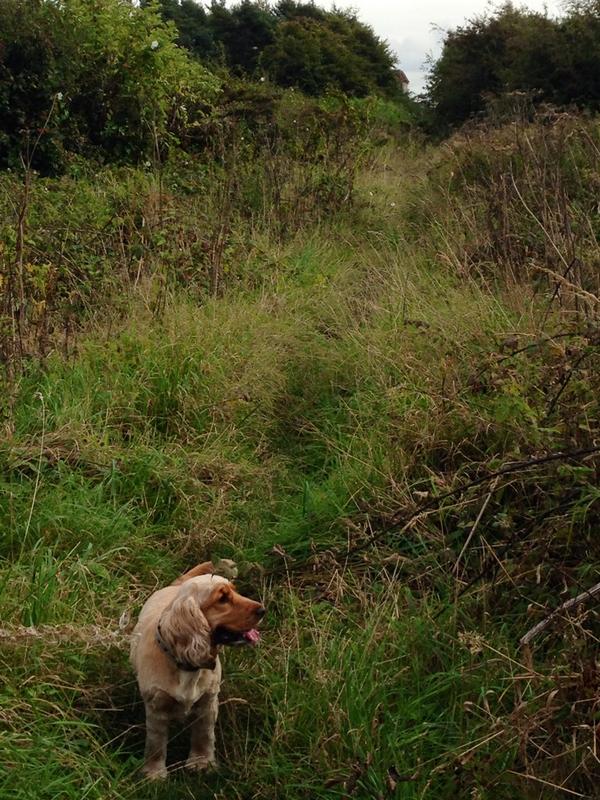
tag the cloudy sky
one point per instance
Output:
(410, 28)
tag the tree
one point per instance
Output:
(578, 62)
(516, 50)
(289, 9)
(243, 31)
(329, 50)
(297, 44)
(193, 27)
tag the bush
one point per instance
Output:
(516, 50)
(101, 78)
(522, 199)
(264, 163)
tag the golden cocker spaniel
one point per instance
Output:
(174, 652)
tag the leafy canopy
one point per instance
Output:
(294, 44)
(517, 50)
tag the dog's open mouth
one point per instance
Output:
(223, 635)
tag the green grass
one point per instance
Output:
(299, 414)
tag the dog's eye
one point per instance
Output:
(224, 598)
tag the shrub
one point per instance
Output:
(100, 77)
(264, 163)
(523, 203)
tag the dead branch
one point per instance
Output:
(589, 594)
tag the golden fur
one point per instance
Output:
(178, 671)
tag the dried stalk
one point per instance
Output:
(589, 594)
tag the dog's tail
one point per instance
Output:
(206, 568)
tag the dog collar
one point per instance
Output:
(186, 666)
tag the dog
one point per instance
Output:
(174, 652)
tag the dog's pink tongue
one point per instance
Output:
(252, 636)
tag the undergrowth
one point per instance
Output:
(400, 454)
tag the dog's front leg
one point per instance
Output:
(159, 707)
(202, 751)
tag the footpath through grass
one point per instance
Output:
(285, 426)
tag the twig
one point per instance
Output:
(547, 783)
(569, 284)
(38, 472)
(475, 525)
(514, 539)
(555, 293)
(397, 521)
(589, 594)
(527, 348)
(565, 382)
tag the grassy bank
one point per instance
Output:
(362, 420)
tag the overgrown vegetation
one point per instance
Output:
(101, 79)
(269, 167)
(512, 49)
(106, 79)
(364, 368)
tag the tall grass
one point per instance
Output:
(339, 426)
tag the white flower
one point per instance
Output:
(392, 205)
(59, 95)
(148, 164)
(262, 80)
(154, 45)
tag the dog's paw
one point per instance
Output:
(154, 772)
(200, 763)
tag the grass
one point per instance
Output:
(282, 425)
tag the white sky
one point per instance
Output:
(409, 26)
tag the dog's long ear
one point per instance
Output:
(206, 568)
(186, 632)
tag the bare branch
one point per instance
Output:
(589, 594)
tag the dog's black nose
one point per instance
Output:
(260, 612)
